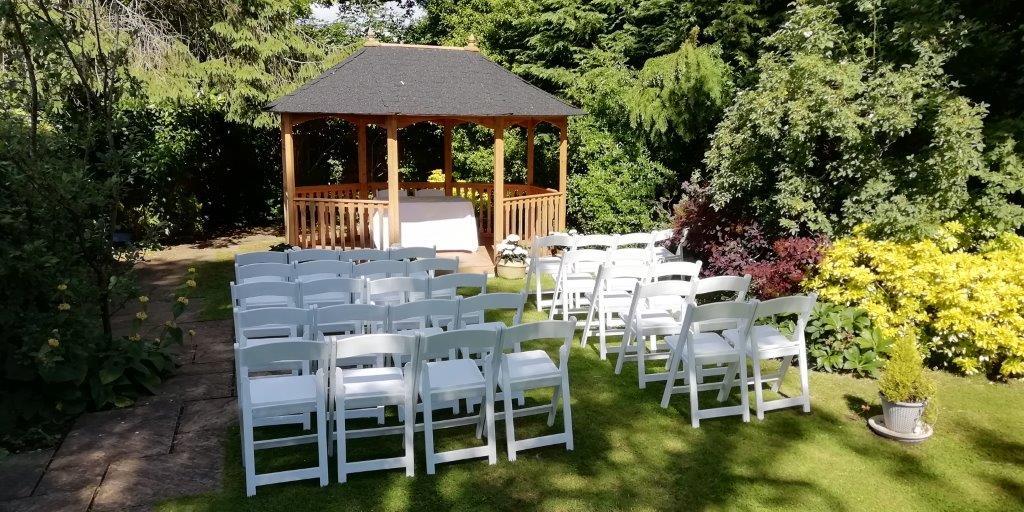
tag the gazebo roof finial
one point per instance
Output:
(371, 38)
(471, 43)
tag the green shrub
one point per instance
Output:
(842, 339)
(903, 378)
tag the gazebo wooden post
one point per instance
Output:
(394, 223)
(499, 180)
(288, 175)
(563, 169)
(530, 132)
(361, 158)
(447, 157)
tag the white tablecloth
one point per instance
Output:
(447, 223)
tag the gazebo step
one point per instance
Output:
(480, 261)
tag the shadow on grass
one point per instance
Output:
(862, 407)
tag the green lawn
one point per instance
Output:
(633, 455)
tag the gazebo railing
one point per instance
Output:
(340, 215)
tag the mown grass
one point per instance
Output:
(633, 455)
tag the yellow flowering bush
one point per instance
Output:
(966, 306)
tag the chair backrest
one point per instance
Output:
(361, 255)
(381, 269)
(430, 192)
(409, 253)
(723, 284)
(262, 272)
(620, 278)
(685, 270)
(349, 319)
(422, 311)
(400, 287)
(631, 256)
(380, 343)
(674, 294)
(474, 340)
(321, 269)
(431, 265)
(799, 305)
(263, 294)
(546, 329)
(492, 302)
(267, 354)
(248, 258)
(594, 241)
(302, 255)
(447, 286)
(662, 235)
(297, 321)
(555, 240)
(584, 260)
(349, 290)
(733, 314)
(642, 240)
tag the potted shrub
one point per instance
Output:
(906, 390)
(511, 258)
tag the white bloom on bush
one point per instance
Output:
(513, 238)
(520, 251)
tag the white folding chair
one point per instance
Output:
(361, 389)
(453, 380)
(263, 272)
(411, 253)
(249, 258)
(260, 325)
(519, 372)
(543, 263)
(428, 267)
(447, 287)
(420, 316)
(688, 271)
(333, 324)
(603, 242)
(475, 308)
(381, 269)
(302, 255)
(612, 294)
(363, 255)
(321, 269)
(576, 277)
(718, 289)
(281, 395)
(694, 348)
(331, 292)
(395, 290)
(661, 239)
(767, 342)
(655, 310)
(264, 294)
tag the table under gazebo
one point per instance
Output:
(395, 86)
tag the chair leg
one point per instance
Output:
(691, 376)
(566, 412)
(805, 386)
(339, 431)
(627, 337)
(322, 440)
(728, 381)
(786, 363)
(602, 331)
(410, 428)
(641, 355)
(744, 389)
(586, 326)
(670, 381)
(554, 405)
(492, 438)
(510, 432)
(536, 280)
(248, 456)
(565, 305)
(758, 385)
(428, 433)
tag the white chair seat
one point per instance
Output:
(452, 375)
(767, 338)
(286, 389)
(706, 345)
(531, 364)
(662, 254)
(548, 264)
(371, 382)
(652, 320)
(266, 301)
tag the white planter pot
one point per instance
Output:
(903, 417)
(511, 270)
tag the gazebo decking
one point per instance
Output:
(395, 86)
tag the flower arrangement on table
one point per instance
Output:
(511, 258)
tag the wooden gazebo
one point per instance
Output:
(395, 86)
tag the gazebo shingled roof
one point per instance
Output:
(421, 81)
(396, 85)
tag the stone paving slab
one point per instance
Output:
(102, 437)
(146, 481)
(183, 388)
(200, 368)
(217, 414)
(63, 502)
(214, 353)
(69, 480)
(19, 473)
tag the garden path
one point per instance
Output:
(167, 445)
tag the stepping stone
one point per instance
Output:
(102, 437)
(64, 501)
(211, 332)
(182, 388)
(68, 480)
(212, 415)
(200, 368)
(214, 353)
(20, 473)
(146, 481)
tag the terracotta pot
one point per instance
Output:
(510, 269)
